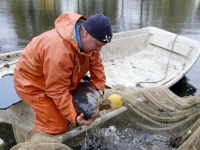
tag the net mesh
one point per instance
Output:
(30, 140)
(158, 110)
(154, 109)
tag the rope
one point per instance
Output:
(166, 69)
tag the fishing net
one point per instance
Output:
(155, 110)
(30, 140)
(158, 110)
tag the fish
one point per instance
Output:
(87, 100)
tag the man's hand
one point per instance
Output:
(100, 92)
(81, 80)
(82, 121)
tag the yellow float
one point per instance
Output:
(116, 101)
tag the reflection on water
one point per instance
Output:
(24, 19)
(8, 94)
(21, 20)
(183, 88)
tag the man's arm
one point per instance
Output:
(57, 70)
(97, 75)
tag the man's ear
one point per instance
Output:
(85, 33)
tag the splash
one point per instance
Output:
(126, 139)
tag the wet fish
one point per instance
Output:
(87, 100)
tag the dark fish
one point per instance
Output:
(86, 100)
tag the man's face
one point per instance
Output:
(90, 44)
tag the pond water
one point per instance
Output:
(120, 133)
(21, 20)
(7, 87)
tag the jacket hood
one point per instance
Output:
(65, 23)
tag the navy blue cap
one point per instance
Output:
(99, 27)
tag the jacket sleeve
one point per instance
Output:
(57, 69)
(97, 75)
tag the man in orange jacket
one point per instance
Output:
(52, 65)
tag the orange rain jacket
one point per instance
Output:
(50, 67)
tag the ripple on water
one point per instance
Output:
(127, 139)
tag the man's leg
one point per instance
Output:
(48, 119)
